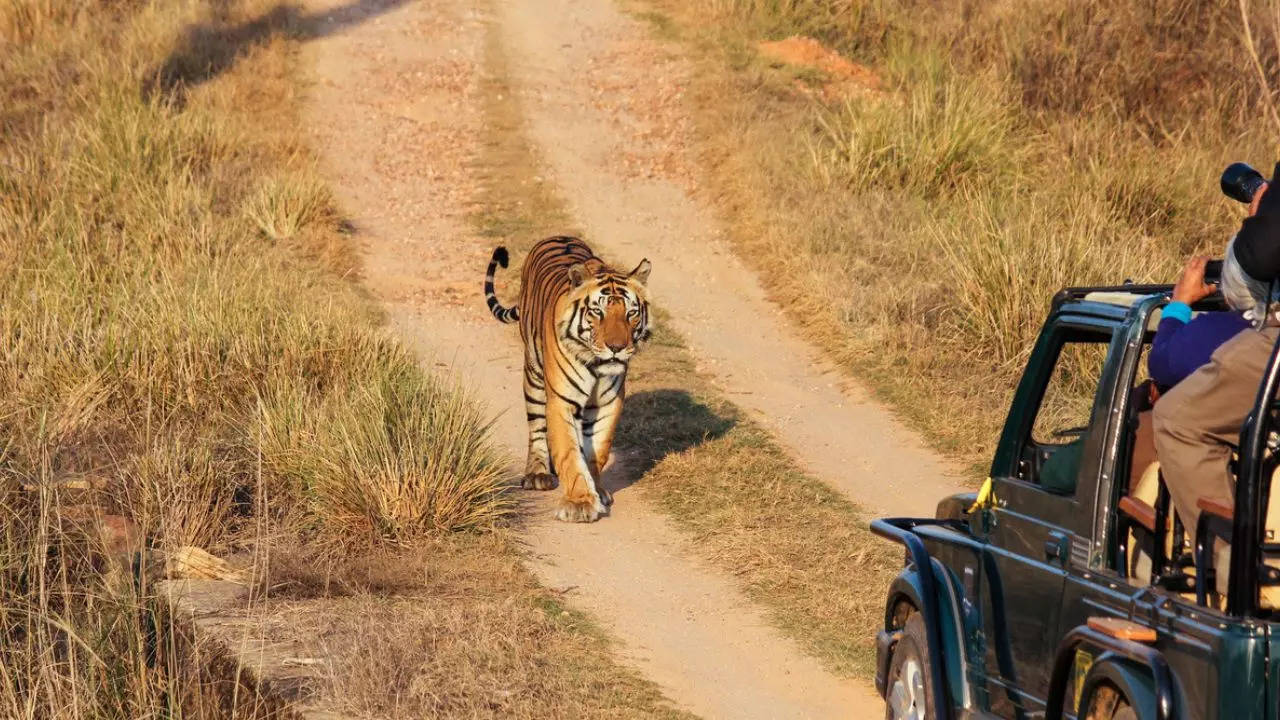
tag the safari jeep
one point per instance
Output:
(1067, 587)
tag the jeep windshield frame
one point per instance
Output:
(1113, 472)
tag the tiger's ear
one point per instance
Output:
(641, 273)
(577, 274)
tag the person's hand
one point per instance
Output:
(1191, 287)
(1257, 199)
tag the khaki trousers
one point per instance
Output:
(1200, 417)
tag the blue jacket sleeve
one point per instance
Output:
(1160, 363)
(1179, 348)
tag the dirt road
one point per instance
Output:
(624, 106)
(395, 112)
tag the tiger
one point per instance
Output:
(581, 322)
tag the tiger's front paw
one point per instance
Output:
(538, 481)
(582, 511)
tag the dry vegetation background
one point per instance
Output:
(181, 345)
(918, 229)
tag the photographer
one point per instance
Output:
(1198, 421)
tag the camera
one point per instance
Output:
(1213, 272)
(1241, 182)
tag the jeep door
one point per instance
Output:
(1039, 518)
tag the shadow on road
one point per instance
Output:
(658, 423)
(209, 49)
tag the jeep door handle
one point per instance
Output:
(1053, 548)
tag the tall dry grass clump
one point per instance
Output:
(83, 640)
(398, 457)
(174, 335)
(919, 231)
(942, 134)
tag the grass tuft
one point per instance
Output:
(944, 134)
(396, 458)
(282, 207)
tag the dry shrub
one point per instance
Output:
(393, 458)
(82, 642)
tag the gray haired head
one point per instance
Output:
(1243, 292)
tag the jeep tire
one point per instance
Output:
(1107, 703)
(909, 691)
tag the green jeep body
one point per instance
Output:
(1006, 591)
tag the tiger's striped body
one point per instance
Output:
(581, 322)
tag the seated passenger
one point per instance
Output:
(1198, 421)
(1183, 344)
(1180, 347)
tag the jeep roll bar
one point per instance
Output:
(1078, 292)
(1251, 497)
(900, 530)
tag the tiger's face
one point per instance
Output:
(609, 316)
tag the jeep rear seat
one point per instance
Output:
(1140, 513)
(1151, 559)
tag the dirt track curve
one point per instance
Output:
(394, 108)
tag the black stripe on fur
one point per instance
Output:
(502, 314)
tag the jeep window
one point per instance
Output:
(1068, 398)
(1051, 457)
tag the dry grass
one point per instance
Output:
(941, 136)
(283, 207)
(455, 628)
(165, 321)
(175, 331)
(81, 639)
(919, 233)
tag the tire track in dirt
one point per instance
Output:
(394, 111)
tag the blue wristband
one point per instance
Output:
(1178, 311)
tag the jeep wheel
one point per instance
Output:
(909, 693)
(1106, 703)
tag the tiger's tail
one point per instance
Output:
(503, 314)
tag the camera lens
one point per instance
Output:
(1241, 182)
